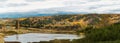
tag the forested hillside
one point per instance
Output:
(73, 22)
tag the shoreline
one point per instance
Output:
(8, 32)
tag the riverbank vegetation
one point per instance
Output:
(108, 34)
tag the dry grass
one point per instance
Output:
(1, 38)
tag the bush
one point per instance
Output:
(110, 33)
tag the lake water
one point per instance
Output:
(37, 37)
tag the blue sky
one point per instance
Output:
(56, 6)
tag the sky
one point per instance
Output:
(58, 6)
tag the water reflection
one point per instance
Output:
(17, 37)
(54, 41)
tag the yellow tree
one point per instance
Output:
(3, 24)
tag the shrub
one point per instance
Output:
(110, 33)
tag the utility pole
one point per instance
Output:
(17, 26)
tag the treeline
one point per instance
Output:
(53, 22)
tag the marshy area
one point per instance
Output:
(33, 35)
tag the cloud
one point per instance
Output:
(16, 5)
(34, 0)
(56, 6)
(3, 0)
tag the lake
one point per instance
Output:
(39, 37)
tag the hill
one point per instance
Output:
(68, 22)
